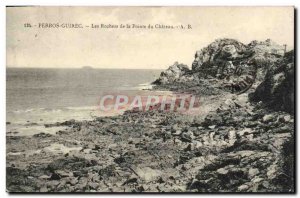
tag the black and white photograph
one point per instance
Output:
(150, 99)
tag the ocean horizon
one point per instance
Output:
(40, 95)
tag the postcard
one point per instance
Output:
(150, 99)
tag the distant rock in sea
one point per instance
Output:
(87, 67)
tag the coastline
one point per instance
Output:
(157, 152)
(240, 139)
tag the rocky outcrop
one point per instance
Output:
(266, 50)
(175, 73)
(234, 66)
(255, 159)
(265, 54)
(211, 56)
(222, 53)
(278, 88)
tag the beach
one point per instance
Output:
(239, 138)
(156, 151)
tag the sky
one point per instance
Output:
(135, 48)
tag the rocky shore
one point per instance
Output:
(237, 142)
(237, 148)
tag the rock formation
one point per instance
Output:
(215, 53)
(234, 65)
(278, 88)
(266, 53)
(230, 145)
(227, 50)
(175, 73)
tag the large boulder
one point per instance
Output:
(278, 89)
(220, 49)
(265, 54)
(175, 73)
(230, 62)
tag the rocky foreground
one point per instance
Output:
(237, 142)
(237, 148)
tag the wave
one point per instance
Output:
(54, 110)
(144, 86)
(91, 108)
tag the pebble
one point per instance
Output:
(93, 185)
(212, 126)
(268, 118)
(287, 118)
(44, 189)
(232, 136)
(257, 179)
(177, 132)
(44, 177)
(243, 187)
(253, 172)
(62, 173)
(55, 176)
(222, 171)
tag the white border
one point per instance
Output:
(153, 2)
(4, 3)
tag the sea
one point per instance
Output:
(35, 97)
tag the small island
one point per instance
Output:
(87, 67)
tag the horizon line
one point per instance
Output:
(84, 67)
